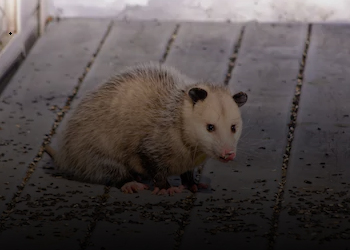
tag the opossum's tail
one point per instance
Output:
(50, 151)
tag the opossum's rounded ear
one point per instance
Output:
(240, 98)
(197, 94)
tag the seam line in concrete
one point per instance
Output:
(233, 58)
(190, 200)
(184, 221)
(84, 243)
(47, 138)
(170, 43)
(286, 156)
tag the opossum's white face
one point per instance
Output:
(212, 121)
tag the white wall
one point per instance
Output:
(215, 10)
(22, 21)
(3, 23)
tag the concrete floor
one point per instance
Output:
(287, 189)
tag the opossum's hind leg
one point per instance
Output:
(133, 183)
(115, 174)
(133, 187)
(103, 170)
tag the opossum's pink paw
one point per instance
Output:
(133, 187)
(194, 188)
(169, 191)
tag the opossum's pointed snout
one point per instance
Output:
(227, 155)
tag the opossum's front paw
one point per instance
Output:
(133, 187)
(195, 187)
(170, 191)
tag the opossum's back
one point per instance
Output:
(145, 82)
(141, 92)
(128, 106)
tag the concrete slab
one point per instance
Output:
(44, 80)
(316, 206)
(202, 50)
(238, 213)
(130, 42)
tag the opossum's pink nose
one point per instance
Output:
(227, 155)
(230, 157)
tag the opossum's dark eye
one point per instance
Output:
(233, 128)
(210, 127)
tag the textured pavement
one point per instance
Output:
(287, 189)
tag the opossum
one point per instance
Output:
(149, 120)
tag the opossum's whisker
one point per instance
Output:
(247, 121)
(245, 135)
(246, 130)
(247, 154)
(195, 152)
(252, 155)
(250, 143)
(243, 153)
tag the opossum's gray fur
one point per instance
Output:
(133, 123)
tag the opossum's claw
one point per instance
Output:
(133, 187)
(171, 191)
